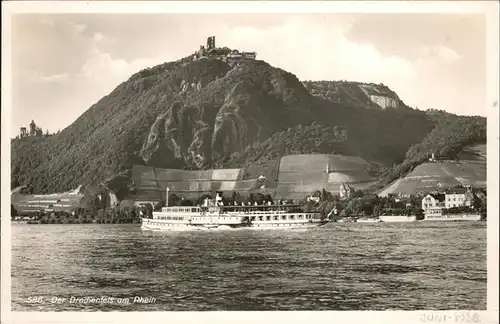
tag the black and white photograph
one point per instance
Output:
(259, 159)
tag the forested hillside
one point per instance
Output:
(198, 114)
(446, 140)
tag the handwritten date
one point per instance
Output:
(455, 317)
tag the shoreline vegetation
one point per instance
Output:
(332, 207)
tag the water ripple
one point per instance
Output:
(337, 267)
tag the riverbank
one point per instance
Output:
(393, 219)
(70, 219)
(77, 221)
(120, 215)
(408, 218)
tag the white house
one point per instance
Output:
(433, 204)
(458, 197)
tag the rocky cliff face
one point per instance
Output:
(366, 95)
(241, 107)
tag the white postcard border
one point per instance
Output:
(488, 8)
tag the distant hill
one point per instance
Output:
(26, 203)
(447, 141)
(469, 168)
(211, 113)
(301, 175)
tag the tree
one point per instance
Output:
(479, 203)
(419, 213)
(483, 206)
(173, 200)
(368, 204)
(91, 203)
(325, 207)
(354, 207)
(13, 211)
(201, 199)
(159, 205)
(186, 202)
(14, 183)
(317, 193)
(101, 216)
(147, 210)
(259, 198)
(39, 132)
(358, 193)
(325, 195)
(127, 203)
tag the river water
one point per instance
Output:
(342, 266)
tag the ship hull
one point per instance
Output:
(160, 225)
(368, 220)
(448, 218)
(286, 225)
(397, 219)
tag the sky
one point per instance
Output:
(64, 63)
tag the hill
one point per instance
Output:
(26, 203)
(301, 175)
(469, 168)
(201, 113)
(447, 141)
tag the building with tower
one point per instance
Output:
(23, 132)
(32, 128)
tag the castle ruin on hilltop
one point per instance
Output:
(222, 53)
(34, 130)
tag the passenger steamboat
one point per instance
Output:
(214, 214)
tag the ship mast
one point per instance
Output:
(166, 200)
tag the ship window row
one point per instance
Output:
(219, 218)
(280, 225)
(171, 217)
(182, 210)
(164, 224)
(282, 217)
